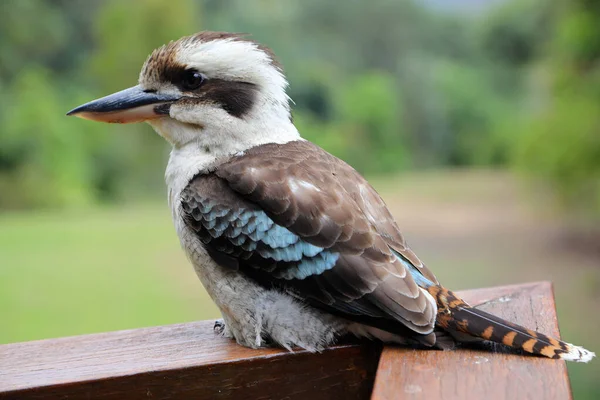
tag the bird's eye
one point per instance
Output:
(192, 79)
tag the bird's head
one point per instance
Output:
(210, 88)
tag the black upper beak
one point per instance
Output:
(129, 105)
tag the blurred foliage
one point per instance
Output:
(387, 85)
(43, 163)
(560, 141)
(358, 128)
(78, 51)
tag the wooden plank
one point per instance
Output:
(190, 361)
(180, 362)
(489, 373)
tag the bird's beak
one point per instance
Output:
(127, 106)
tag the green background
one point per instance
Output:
(478, 122)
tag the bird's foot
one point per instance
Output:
(221, 329)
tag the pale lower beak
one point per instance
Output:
(127, 106)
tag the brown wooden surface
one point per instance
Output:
(184, 361)
(189, 361)
(488, 373)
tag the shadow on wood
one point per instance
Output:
(187, 361)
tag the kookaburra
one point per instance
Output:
(292, 244)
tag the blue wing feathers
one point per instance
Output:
(279, 237)
(324, 261)
(242, 231)
(247, 232)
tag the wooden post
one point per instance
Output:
(186, 361)
(490, 373)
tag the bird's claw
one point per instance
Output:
(219, 326)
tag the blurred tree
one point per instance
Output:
(514, 33)
(472, 111)
(126, 32)
(33, 40)
(366, 126)
(561, 144)
(58, 41)
(370, 113)
(47, 159)
(43, 164)
(409, 85)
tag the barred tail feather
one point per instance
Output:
(456, 315)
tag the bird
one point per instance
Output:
(292, 244)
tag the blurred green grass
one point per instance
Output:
(69, 273)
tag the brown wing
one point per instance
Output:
(377, 213)
(328, 204)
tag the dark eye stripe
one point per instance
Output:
(181, 77)
(237, 98)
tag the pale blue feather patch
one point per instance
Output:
(418, 277)
(278, 236)
(255, 231)
(311, 266)
(293, 252)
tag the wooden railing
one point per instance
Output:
(188, 361)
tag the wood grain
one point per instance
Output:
(180, 362)
(488, 372)
(189, 361)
